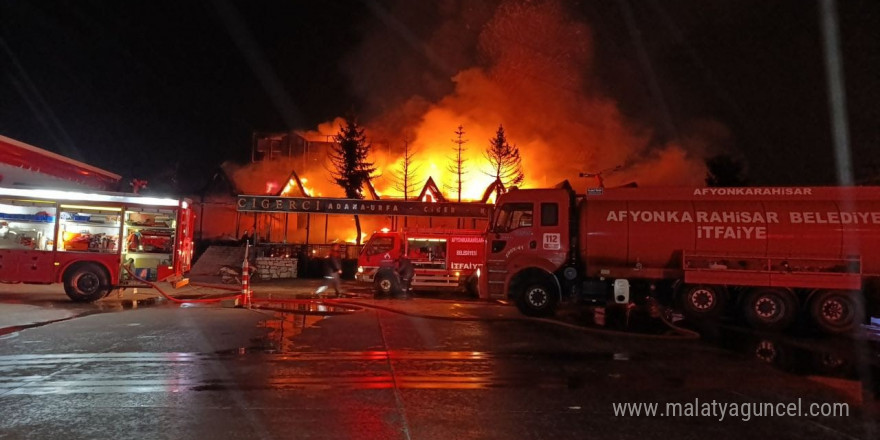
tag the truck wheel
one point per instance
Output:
(86, 283)
(770, 309)
(537, 300)
(385, 284)
(702, 302)
(836, 311)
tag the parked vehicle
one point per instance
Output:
(91, 241)
(444, 259)
(770, 254)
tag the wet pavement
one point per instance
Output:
(437, 366)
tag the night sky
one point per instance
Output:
(167, 90)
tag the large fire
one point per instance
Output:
(537, 83)
(534, 78)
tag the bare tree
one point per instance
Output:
(348, 157)
(404, 176)
(457, 167)
(505, 160)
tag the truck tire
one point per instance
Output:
(837, 311)
(702, 302)
(86, 282)
(386, 284)
(537, 300)
(770, 309)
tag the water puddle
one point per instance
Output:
(315, 308)
(289, 320)
(852, 366)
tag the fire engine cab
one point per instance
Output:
(444, 259)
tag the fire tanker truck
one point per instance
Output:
(770, 254)
(443, 259)
(90, 242)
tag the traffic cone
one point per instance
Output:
(246, 283)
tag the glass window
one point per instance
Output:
(426, 249)
(514, 215)
(549, 214)
(380, 245)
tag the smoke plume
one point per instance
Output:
(424, 68)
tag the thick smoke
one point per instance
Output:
(424, 68)
(532, 71)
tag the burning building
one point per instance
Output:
(277, 159)
(526, 66)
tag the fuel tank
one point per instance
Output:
(654, 227)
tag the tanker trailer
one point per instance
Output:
(769, 254)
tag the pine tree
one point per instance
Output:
(404, 176)
(505, 160)
(348, 157)
(457, 167)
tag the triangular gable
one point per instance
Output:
(220, 184)
(430, 192)
(293, 182)
(495, 187)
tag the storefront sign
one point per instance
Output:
(317, 205)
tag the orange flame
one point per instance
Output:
(538, 81)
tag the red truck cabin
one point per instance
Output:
(443, 259)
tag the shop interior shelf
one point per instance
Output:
(27, 218)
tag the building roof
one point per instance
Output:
(431, 192)
(23, 165)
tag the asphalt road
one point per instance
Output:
(421, 369)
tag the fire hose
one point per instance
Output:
(682, 333)
(178, 300)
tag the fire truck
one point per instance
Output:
(443, 259)
(90, 242)
(772, 255)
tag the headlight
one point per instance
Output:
(360, 269)
(478, 272)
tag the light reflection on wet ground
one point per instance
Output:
(851, 365)
(102, 373)
(836, 362)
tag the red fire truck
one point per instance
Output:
(87, 240)
(771, 254)
(442, 258)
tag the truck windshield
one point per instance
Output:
(512, 216)
(380, 245)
